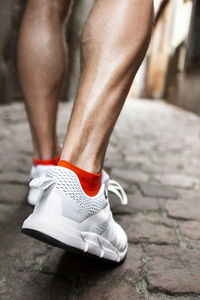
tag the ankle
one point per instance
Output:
(47, 153)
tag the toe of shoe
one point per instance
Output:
(122, 239)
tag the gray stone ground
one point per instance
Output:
(154, 152)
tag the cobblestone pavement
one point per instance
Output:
(154, 153)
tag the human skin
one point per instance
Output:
(42, 61)
(114, 41)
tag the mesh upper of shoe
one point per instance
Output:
(68, 182)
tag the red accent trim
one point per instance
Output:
(90, 182)
(45, 162)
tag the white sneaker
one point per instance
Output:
(64, 216)
(35, 193)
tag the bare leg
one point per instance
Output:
(114, 42)
(41, 64)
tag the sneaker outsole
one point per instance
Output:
(55, 243)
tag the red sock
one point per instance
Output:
(45, 162)
(90, 182)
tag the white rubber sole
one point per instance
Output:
(46, 228)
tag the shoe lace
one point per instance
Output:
(116, 188)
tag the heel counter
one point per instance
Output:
(49, 202)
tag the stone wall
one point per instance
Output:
(184, 88)
(10, 17)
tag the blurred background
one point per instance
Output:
(171, 69)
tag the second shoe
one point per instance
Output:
(66, 217)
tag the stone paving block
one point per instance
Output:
(18, 251)
(13, 193)
(183, 209)
(174, 162)
(176, 180)
(73, 266)
(110, 291)
(191, 233)
(135, 203)
(32, 286)
(157, 191)
(14, 177)
(28, 257)
(191, 229)
(173, 270)
(13, 162)
(111, 163)
(193, 244)
(105, 281)
(153, 168)
(25, 168)
(6, 163)
(129, 175)
(6, 212)
(149, 229)
(139, 162)
(191, 194)
(113, 152)
(160, 296)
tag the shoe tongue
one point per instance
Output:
(105, 177)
